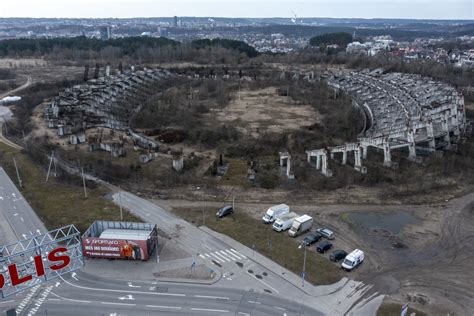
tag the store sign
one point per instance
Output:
(39, 259)
(57, 259)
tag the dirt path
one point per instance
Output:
(28, 82)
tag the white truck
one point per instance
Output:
(275, 212)
(284, 222)
(352, 260)
(300, 225)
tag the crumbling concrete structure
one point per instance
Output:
(285, 160)
(400, 111)
(96, 103)
(178, 163)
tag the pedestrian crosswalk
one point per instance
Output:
(223, 256)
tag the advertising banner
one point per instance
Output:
(114, 248)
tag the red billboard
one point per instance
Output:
(114, 248)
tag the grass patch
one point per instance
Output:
(56, 203)
(393, 309)
(237, 173)
(279, 247)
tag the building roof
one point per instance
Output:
(126, 234)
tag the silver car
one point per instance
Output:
(326, 233)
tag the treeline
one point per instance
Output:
(340, 38)
(40, 47)
(240, 46)
(141, 49)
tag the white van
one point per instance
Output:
(275, 212)
(284, 222)
(352, 260)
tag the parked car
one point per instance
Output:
(337, 255)
(322, 247)
(326, 233)
(224, 211)
(311, 239)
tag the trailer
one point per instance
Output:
(120, 240)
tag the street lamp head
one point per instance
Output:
(300, 246)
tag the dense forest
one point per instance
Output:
(143, 49)
(340, 38)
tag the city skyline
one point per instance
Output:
(396, 9)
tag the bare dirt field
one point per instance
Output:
(259, 111)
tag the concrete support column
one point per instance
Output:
(364, 152)
(324, 168)
(446, 138)
(332, 155)
(411, 146)
(318, 162)
(387, 155)
(344, 157)
(308, 157)
(430, 132)
(288, 166)
(357, 158)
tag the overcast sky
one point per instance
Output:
(419, 9)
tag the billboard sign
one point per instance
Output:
(38, 259)
(115, 248)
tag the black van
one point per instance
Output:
(224, 211)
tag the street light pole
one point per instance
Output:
(304, 264)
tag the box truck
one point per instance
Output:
(284, 222)
(300, 225)
(275, 212)
(352, 260)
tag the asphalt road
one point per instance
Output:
(16, 210)
(83, 294)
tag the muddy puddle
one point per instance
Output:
(381, 229)
(372, 221)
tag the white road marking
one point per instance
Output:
(161, 306)
(73, 275)
(254, 302)
(131, 285)
(218, 259)
(202, 256)
(120, 291)
(210, 310)
(280, 308)
(4, 302)
(232, 255)
(225, 255)
(245, 314)
(214, 297)
(53, 299)
(238, 253)
(15, 214)
(207, 255)
(265, 283)
(128, 297)
(24, 236)
(21, 218)
(221, 256)
(70, 299)
(123, 304)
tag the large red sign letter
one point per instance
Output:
(64, 258)
(15, 277)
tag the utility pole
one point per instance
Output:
(303, 274)
(84, 182)
(49, 167)
(120, 204)
(203, 215)
(17, 173)
(24, 138)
